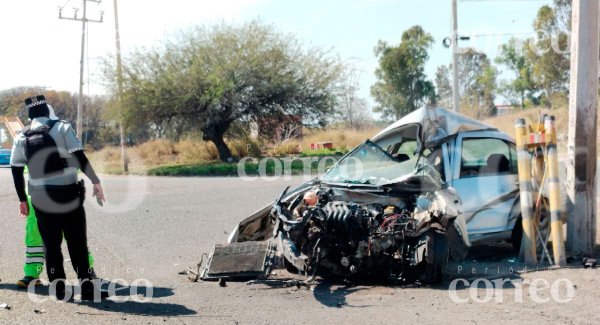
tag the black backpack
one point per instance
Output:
(41, 151)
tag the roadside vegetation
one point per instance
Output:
(222, 92)
(197, 157)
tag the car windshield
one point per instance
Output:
(369, 164)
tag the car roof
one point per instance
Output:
(436, 124)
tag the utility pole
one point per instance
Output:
(120, 89)
(454, 36)
(83, 20)
(583, 110)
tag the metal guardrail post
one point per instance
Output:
(556, 225)
(528, 249)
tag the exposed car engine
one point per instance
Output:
(350, 239)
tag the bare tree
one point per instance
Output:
(353, 110)
(288, 131)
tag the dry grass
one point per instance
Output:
(191, 151)
(341, 138)
(506, 123)
(163, 152)
(108, 160)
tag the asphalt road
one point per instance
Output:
(152, 228)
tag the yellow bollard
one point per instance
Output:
(556, 226)
(528, 249)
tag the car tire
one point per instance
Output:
(437, 253)
(458, 250)
(515, 237)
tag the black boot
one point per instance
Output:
(88, 288)
(60, 291)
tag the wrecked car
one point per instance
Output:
(395, 207)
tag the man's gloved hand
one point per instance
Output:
(23, 210)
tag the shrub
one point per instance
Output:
(157, 151)
(285, 148)
(190, 151)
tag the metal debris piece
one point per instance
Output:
(5, 306)
(274, 283)
(194, 275)
(236, 261)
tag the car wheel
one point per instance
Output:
(516, 236)
(458, 250)
(434, 264)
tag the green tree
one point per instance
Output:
(64, 104)
(402, 85)
(522, 88)
(476, 83)
(443, 87)
(549, 53)
(210, 77)
(563, 12)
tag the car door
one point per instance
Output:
(485, 176)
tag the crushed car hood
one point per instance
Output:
(436, 124)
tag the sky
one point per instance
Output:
(38, 49)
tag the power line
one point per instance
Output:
(66, 3)
(499, 34)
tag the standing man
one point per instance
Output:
(52, 154)
(34, 255)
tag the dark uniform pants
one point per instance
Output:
(60, 211)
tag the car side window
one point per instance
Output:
(487, 157)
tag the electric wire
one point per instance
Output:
(66, 3)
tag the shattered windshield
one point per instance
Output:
(369, 164)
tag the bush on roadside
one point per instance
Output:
(191, 151)
(290, 147)
(157, 151)
(245, 148)
(323, 152)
